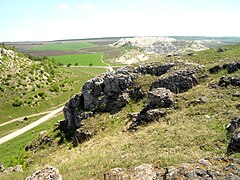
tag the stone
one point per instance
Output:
(220, 50)
(218, 168)
(180, 81)
(234, 145)
(233, 125)
(41, 142)
(1, 167)
(82, 134)
(145, 116)
(215, 69)
(231, 67)
(226, 81)
(236, 94)
(17, 168)
(160, 98)
(47, 173)
(136, 94)
(201, 100)
(142, 172)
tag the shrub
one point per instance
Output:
(54, 88)
(17, 102)
(42, 94)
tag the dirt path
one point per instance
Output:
(30, 126)
(21, 118)
(109, 66)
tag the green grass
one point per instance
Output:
(16, 146)
(80, 59)
(63, 46)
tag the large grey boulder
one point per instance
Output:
(178, 82)
(231, 67)
(234, 145)
(160, 98)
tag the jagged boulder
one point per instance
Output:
(178, 82)
(160, 98)
(72, 110)
(226, 81)
(47, 173)
(99, 92)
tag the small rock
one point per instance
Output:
(136, 94)
(201, 100)
(17, 168)
(1, 167)
(215, 69)
(234, 145)
(48, 173)
(234, 124)
(160, 98)
(82, 134)
(207, 116)
(236, 94)
(220, 50)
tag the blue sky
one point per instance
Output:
(31, 20)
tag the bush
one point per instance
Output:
(17, 102)
(54, 88)
(42, 94)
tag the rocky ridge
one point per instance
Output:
(110, 92)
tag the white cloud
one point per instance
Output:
(85, 6)
(63, 6)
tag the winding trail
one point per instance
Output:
(21, 118)
(30, 126)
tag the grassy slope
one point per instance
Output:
(78, 75)
(80, 59)
(63, 46)
(185, 134)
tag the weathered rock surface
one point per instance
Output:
(178, 82)
(82, 134)
(231, 67)
(203, 169)
(160, 98)
(226, 81)
(201, 100)
(47, 173)
(145, 116)
(156, 70)
(41, 142)
(136, 94)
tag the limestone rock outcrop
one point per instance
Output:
(178, 82)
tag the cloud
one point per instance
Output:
(85, 6)
(63, 6)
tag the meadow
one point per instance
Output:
(63, 46)
(80, 59)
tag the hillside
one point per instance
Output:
(164, 118)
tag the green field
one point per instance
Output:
(80, 59)
(63, 46)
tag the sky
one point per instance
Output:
(45, 20)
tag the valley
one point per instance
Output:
(170, 105)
